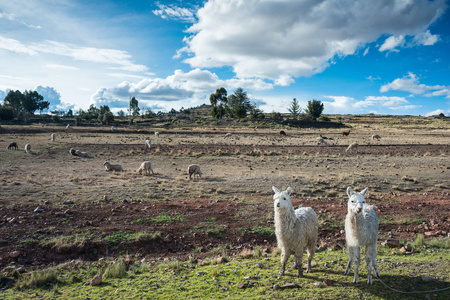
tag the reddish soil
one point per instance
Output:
(23, 228)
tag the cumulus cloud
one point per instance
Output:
(426, 39)
(194, 86)
(51, 95)
(281, 39)
(410, 83)
(174, 12)
(438, 112)
(393, 103)
(340, 104)
(391, 43)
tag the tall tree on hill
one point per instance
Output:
(218, 101)
(294, 109)
(134, 107)
(238, 104)
(314, 109)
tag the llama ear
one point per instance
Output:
(275, 190)
(350, 192)
(289, 190)
(363, 192)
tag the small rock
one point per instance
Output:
(38, 209)
(14, 254)
(167, 239)
(427, 279)
(220, 260)
(259, 265)
(289, 285)
(391, 243)
(200, 273)
(47, 202)
(318, 284)
(240, 240)
(241, 285)
(327, 282)
(276, 287)
(68, 201)
(97, 279)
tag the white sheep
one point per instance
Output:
(114, 128)
(148, 144)
(361, 230)
(110, 167)
(194, 170)
(353, 146)
(53, 137)
(295, 230)
(228, 134)
(157, 133)
(27, 148)
(145, 168)
(376, 136)
(321, 140)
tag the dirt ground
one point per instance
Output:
(230, 207)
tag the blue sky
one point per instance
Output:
(356, 56)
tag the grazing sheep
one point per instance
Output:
(320, 140)
(353, 146)
(145, 168)
(194, 170)
(361, 230)
(157, 133)
(73, 152)
(12, 145)
(27, 148)
(282, 132)
(148, 144)
(345, 133)
(53, 137)
(376, 136)
(114, 128)
(110, 167)
(81, 153)
(228, 134)
(324, 137)
(295, 230)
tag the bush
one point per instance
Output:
(324, 119)
(6, 114)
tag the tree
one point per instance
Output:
(149, 114)
(295, 109)
(14, 101)
(218, 101)
(69, 113)
(238, 104)
(33, 101)
(256, 113)
(134, 107)
(314, 109)
(6, 113)
(121, 114)
(107, 118)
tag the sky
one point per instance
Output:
(356, 56)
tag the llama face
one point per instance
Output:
(356, 200)
(282, 199)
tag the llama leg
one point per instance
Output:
(357, 259)
(350, 260)
(298, 262)
(371, 256)
(284, 258)
(311, 250)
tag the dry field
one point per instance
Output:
(407, 173)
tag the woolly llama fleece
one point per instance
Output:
(296, 230)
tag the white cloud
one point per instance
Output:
(410, 83)
(339, 105)
(61, 67)
(391, 43)
(277, 39)
(15, 46)
(51, 95)
(12, 17)
(438, 112)
(194, 86)
(175, 13)
(371, 78)
(393, 103)
(426, 39)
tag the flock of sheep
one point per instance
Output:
(297, 230)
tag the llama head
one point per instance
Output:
(106, 163)
(282, 199)
(356, 200)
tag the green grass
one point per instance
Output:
(177, 279)
(167, 218)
